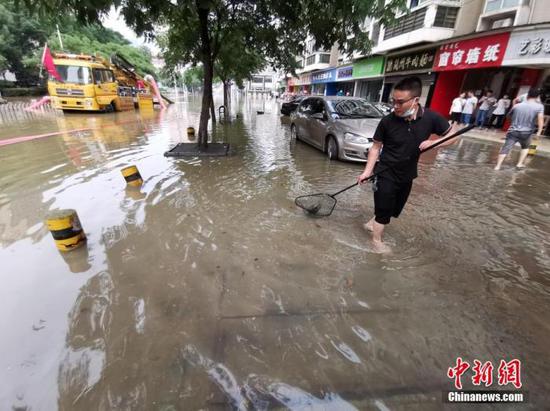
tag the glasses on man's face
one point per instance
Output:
(399, 103)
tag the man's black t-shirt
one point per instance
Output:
(401, 138)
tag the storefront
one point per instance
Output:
(529, 52)
(300, 85)
(367, 74)
(320, 79)
(474, 64)
(343, 84)
(418, 63)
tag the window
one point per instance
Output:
(414, 3)
(493, 5)
(74, 74)
(258, 79)
(306, 107)
(324, 58)
(406, 24)
(310, 60)
(103, 76)
(300, 63)
(446, 17)
(267, 79)
(317, 106)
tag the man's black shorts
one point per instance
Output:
(389, 199)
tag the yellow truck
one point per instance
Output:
(92, 83)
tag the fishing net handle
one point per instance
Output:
(443, 140)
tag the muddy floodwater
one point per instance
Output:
(209, 290)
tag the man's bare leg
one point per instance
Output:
(501, 158)
(369, 225)
(377, 233)
(522, 157)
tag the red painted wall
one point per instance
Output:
(447, 87)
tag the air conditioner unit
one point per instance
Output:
(503, 23)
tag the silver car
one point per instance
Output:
(342, 127)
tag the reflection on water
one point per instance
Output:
(206, 288)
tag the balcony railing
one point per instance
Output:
(406, 24)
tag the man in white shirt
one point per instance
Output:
(456, 108)
(469, 107)
(500, 111)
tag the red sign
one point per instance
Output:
(480, 52)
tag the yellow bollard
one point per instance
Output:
(533, 147)
(190, 133)
(132, 176)
(66, 229)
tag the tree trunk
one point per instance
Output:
(213, 112)
(208, 73)
(226, 98)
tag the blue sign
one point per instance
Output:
(345, 72)
(327, 76)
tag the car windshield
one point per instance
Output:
(73, 74)
(354, 108)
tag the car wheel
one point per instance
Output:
(332, 148)
(294, 132)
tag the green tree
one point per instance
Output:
(198, 29)
(20, 36)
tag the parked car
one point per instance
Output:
(385, 108)
(289, 107)
(342, 127)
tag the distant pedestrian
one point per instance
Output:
(456, 108)
(486, 102)
(340, 93)
(502, 107)
(469, 106)
(523, 124)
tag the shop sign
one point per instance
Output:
(421, 60)
(303, 80)
(344, 73)
(480, 52)
(528, 47)
(324, 76)
(369, 67)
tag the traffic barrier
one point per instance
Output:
(132, 176)
(66, 230)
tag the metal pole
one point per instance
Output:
(59, 37)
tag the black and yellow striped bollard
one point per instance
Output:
(190, 133)
(533, 147)
(132, 176)
(66, 229)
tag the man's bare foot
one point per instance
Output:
(368, 226)
(496, 168)
(381, 247)
(520, 166)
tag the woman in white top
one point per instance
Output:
(500, 112)
(456, 108)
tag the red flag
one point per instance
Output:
(47, 61)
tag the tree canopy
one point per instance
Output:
(22, 38)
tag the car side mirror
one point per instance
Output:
(319, 116)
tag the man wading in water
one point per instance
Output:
(400, 136)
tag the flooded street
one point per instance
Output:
(210, 290)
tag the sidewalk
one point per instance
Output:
(543, 144)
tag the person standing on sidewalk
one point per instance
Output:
(456, 108)
(500, 112)
(486, 102)
(469, 106)
(523, 123)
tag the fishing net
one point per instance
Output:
(320, 205)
